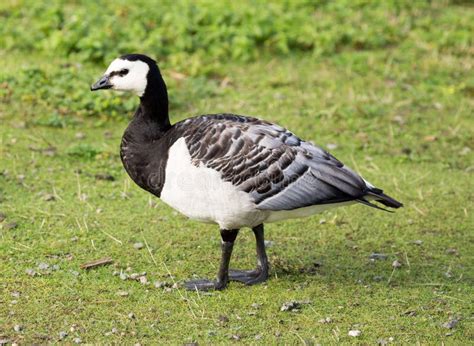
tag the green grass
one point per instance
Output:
(400, 115)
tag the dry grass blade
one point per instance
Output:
(97, 263)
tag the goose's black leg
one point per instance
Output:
(228, 238)
(252, 277)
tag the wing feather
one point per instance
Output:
(277, 169)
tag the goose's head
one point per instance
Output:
(128, 73)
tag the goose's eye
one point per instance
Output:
(123, 72)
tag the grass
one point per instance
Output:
(401, 116)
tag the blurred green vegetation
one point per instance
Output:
(198, 38)
(199, 34)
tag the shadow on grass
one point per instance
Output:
(343, 267)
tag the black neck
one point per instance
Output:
(154, 102)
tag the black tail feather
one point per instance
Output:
(384, 199)
(367, 203)
(380, 197)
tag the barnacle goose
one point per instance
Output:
(227, 169)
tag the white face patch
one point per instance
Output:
(134, 80)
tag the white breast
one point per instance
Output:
(201, 194)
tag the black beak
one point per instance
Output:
(102, 83)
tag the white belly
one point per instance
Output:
(201, 194)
